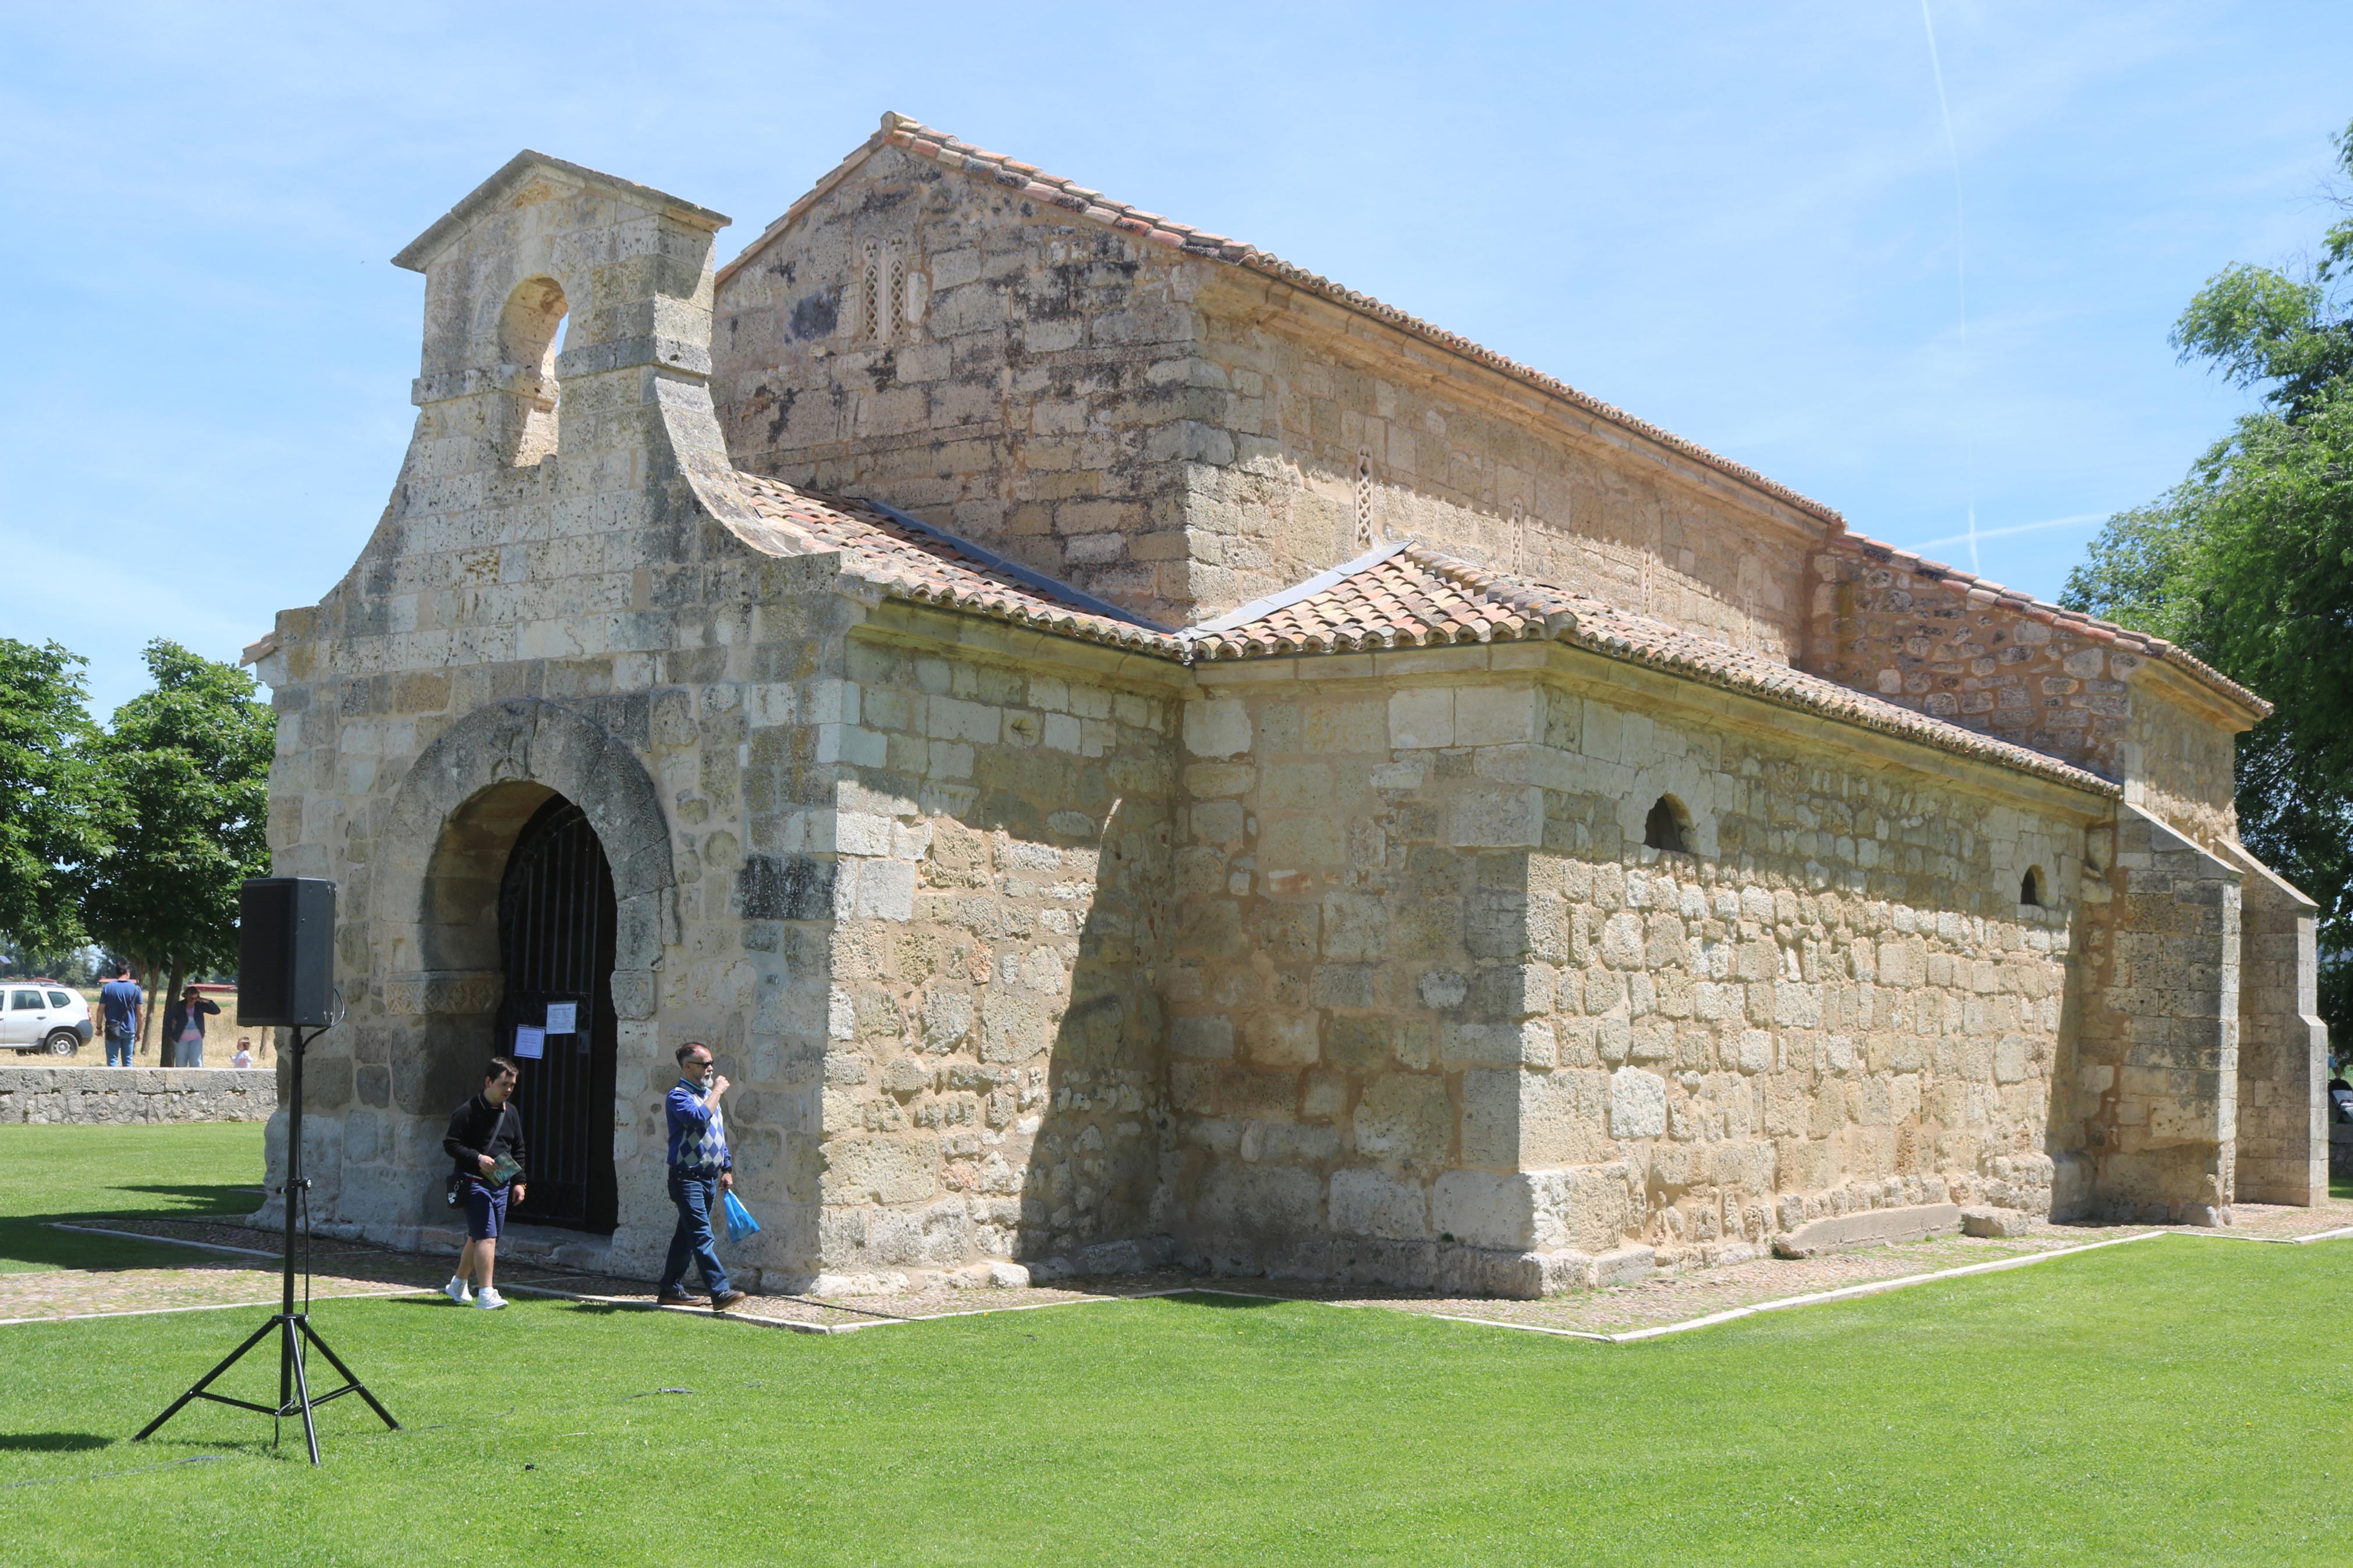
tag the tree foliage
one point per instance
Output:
(187, 767)
(2249, 562)
(50, 826)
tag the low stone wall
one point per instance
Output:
(120, 1096)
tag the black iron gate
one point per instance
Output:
(555, 939)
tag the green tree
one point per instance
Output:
(187, 771)
(50, 829)
(2249, 562)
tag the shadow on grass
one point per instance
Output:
(33, 1241)
(51, 1442)
(213, 1199)
(1214, 1297)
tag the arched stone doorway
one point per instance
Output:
(556, 950)
(466, 813)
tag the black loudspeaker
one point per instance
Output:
(286, 953)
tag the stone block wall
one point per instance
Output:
(1321, 405)
(1833, 1002)
(1182, 436)
(1908, 635)
(1348, 963)
(124, 1096)
(1002, 369)
(993, 1086)
(1886, 623)
(1439, 1016)
(2281, 1153)
(2147, 1121)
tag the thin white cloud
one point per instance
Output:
(2081, 520)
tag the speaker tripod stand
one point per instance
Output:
(293, 1328)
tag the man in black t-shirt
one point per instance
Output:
(485, 1140)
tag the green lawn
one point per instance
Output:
(2167, 1401)
(88, 1172)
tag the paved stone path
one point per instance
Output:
(248, 1276)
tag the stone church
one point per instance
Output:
(1134, 753)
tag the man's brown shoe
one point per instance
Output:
(725, 1300)
(668, 1300)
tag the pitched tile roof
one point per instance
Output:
(1968, 585)
(914, 561)
(939, 147)
(1397, 595)
(1411, 596)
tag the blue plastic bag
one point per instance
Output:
(740, 1223)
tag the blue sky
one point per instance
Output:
(1735, 221)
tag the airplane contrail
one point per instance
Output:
(2078, 521)
(1961, 273)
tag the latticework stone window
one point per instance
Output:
(1364, 496)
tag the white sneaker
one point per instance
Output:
(458, 1291)
(489, 1300)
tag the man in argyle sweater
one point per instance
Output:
(698, 1172)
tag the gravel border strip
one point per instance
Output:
(206, 1306)
(1816, 1298)
(2220, 1235)
(877, 1319)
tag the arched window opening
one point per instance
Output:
(528, 326)
(2030, 889)
(1668, 826)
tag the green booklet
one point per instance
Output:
(502, 1170)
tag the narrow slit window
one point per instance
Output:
(1668, 827)
(2030, 889)
(1364, 496)
(871, 293)
(894, 309)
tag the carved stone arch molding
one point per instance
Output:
(440, 857)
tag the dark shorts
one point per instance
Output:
(486, 1210)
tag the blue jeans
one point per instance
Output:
(122, 1045)
(695, 1194)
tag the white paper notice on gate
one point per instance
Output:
(563, 1018)
(529, 1044)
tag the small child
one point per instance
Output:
(244, 1057)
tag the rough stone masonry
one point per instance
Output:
(1130, 751)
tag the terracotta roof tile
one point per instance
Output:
(1411, 597)
(1976, 588)
(1397, 595)
(911, 561)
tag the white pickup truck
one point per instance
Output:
(43, 1016)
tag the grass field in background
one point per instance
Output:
(2170, 1401)
(88, 1172)
(221, 1034)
